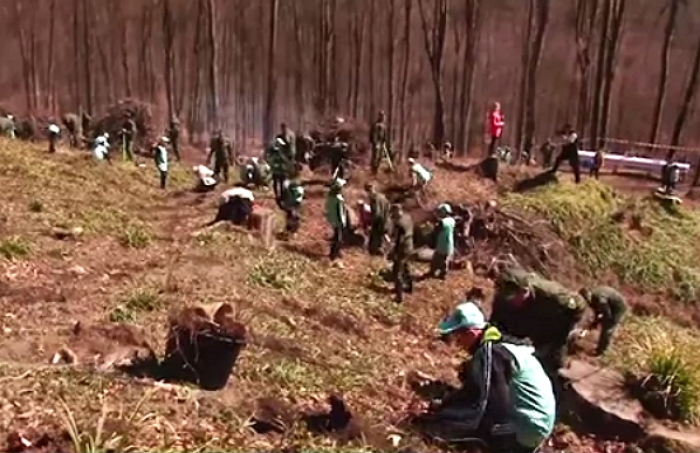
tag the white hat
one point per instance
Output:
(280, 142)
(53, 128)
(9, 117)
(106, 135)
(165, 139)
(411, 160)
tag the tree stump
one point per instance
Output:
(263, 221)
(202, 347)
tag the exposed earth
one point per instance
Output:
(95, 258)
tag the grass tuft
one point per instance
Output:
(662, 367)
(136, 236)
(136, 302)
(15, 247)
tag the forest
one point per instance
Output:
(616, 69)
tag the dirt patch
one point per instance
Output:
(33, 441)
(342, 424)
(273, 415)
(203, 348)
(284, 347)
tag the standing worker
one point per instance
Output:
(128, 136)
(54, 134)
(609, 307)
(495, 122)
(7, 126)
(292, 197)
(279, 165)
(219, 151)
(86, 126)
(161, 158)
(379, 210)
(445, 249)
(377, 139)
(597, 164)
(402, 227)
(569, 152)
(72, 123)
(547, 151)
(336, 215)
(174, 136)
(289, 138)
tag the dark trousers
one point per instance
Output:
(376, 237)
(595, 172)
(129, 148)
(574, 163)
(439, 265)
(176, 147)
(293, 219)
(493, 144)
(607, 329)
(163, 178)
(52, 145)
(278, 185)
(403, 281)
(221, 170)
(336, 243)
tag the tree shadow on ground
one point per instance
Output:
(539, 180)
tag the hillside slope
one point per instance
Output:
(141, 254)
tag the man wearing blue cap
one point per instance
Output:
(506, 399)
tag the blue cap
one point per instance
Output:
(467, 315)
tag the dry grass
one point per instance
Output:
(315, 329)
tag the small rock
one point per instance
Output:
(77, 270)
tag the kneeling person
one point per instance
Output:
(506, 398)
(609, 307)
(236, 205)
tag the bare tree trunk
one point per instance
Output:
(87, 57)
(372, 28)
(473, 23)
(599, 77)
(408, 13)
(586, 12)
(663, 77)
(390, 76)
(34, 72)
(300, 66)
(691, 90)
(125, 58)
(268, 121)
(525, 64)
(22, 40)
(334, 82)
(51, 103)
(213, 67)
(454, 118)
(542, 18)
(168, 38)
(611, 62)
(76, 50)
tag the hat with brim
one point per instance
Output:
(466, 316)
(446, 208)
(338, 183)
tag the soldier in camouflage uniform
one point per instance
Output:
(402, 229)
(379, 209)
(377, 138)
(72, 123)
(174, 136)
(128, 137)
(86, 123)
(609, 307)
(220, 150)
(528, 305)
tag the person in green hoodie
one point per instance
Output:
(506, 399)
(379, 209)
(292, 197)
(337, 216)
(402, 229)
(445, 247)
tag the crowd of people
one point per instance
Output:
(508, 396)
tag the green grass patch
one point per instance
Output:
(281, 271)
(141, 300)
(136, 236)
(15, 247)
(643, 243)
(662, 367)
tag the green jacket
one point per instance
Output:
(335, 211)
(446, 236)
(608, 304)
(377, 133)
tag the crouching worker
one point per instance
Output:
(506, 400)
(255, 173)
(292, 197)
(235, 206)
(420, 175)
(609, 307)
(204, 178)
